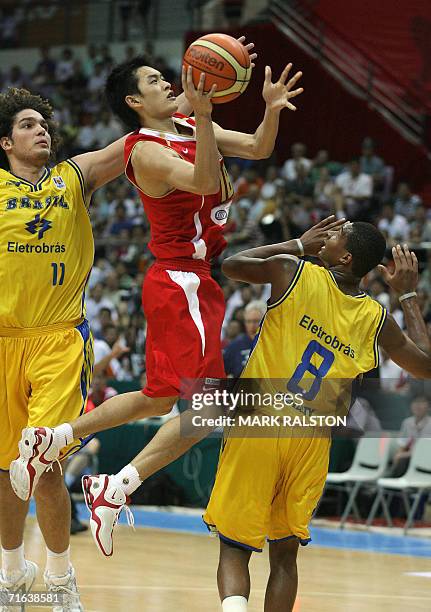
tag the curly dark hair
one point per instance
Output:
(15, 100)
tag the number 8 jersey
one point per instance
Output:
(314, 341)
(47, 248)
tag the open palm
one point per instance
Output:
(277, 95)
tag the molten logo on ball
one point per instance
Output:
(205, 57)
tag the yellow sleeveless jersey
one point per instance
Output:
(47, 249)
(314, 341)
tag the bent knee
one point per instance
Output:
(49, 483)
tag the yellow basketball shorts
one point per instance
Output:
(44, 380)
(267, 488)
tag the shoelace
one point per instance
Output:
(50, 468)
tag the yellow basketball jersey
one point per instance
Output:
(47, 248)
(314, 341)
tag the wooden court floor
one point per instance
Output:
(162, 571)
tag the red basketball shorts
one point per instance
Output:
(184, 311)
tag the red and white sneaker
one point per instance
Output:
(37, 452)
(105, 501)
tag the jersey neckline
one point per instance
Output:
(34, 186)
(170, 135)
(355, 297)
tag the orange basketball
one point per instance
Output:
(225, 63)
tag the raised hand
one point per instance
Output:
(404, 278)
(314, 238)
(249, 48)
(277, 95)
(200, 101)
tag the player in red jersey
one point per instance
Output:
(176, 164)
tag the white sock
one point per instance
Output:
(234, 603)
(57, 564)
(128, 479)
(13, 562)
(63, 435)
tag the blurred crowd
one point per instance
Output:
(274, 200)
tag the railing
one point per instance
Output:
(357, 73)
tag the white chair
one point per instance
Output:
(416, 481)
(369, 464)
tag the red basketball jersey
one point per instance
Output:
(182, 224)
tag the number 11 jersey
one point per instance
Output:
(47, 249)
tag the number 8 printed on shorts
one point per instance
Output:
(306, 366)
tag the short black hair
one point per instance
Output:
(122, 82)
(15, 100)
(367, 246)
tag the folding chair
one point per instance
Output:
(369, 464)
(416, 481)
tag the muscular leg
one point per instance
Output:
(233, 577)
(53, 510)
(119, 410)
(172, 440)
(283, 580)
(12, 515)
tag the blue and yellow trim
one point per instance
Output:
(376, 339)
(34, 186)
(302, 541)
(360, 295)
(291, 286)
(80, 178)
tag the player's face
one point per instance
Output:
(30, 140)
(334, 249)
(157, 98)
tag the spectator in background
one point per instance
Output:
(97, 79)
(300, 189)
(420, 226)
(64, 68)
(16, 78)
(324, 192)
(416, 426)
(377, 289)
(120, 221)
(46, 65)
(233, 330)
(321, 162)
(394, 227)
(272, 180)
(106, 130)
(109, 352)
(405, 201)
(371, 164)
(95, 303)
(356, 189)
(86, 136)
(237, 352)
(289, 169)
(425, 277)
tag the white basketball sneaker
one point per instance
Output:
(64, 591)
(37, 453)
(105, 501)
(22, 584)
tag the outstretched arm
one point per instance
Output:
(412, 352)
(101, 167)
(261, 144)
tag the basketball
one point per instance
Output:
(225, 63)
